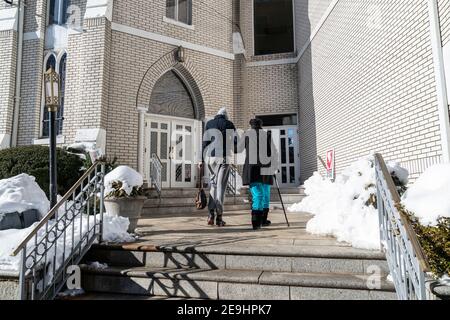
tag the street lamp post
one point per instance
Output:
(52, 92)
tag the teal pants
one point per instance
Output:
(260, 195)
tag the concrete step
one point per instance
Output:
(177, 210)
(182, 193)
(288, 193)
(174, 202)
(323, 259)
(112, 296)
(233, 284)
(287, 198)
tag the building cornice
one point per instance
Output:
(172, 41)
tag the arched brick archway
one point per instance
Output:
(191, 79)
(185, 71)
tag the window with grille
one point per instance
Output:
(58, 12)
(179, 10)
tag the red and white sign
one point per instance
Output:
(330, 164)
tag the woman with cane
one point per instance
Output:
(254, 173)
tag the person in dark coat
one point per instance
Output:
(257, 174)
(218, 161)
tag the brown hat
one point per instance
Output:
(256, 123)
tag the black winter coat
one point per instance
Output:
(252, 172)
(222, 124)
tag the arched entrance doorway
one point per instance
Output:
(173, 131)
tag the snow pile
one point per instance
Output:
(97, 265)
(71, 293)
(429, 197)
(343, 208)
(22, 193)
(401, 173)
(129, 178)
(82, 147)
(114, 230)
(9, 240)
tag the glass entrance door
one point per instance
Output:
(173, 141)
(182, 154)
(287, 146)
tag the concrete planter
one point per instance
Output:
(130, 208)
(9, 286)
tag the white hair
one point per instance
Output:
(223, 112)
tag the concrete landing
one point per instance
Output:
(192, 230)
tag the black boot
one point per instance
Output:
(256, 219)
(211, 218)
(265, 214)
(219, 221)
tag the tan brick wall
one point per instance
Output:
(32, 73)
(35, 15)
(356, 89)
(30, 95)
(87, 83)
(307, 16)
(271, 89)
(8, 60)
(267, 89)
(444, 17)
(212, 74)
(31, 91)
(212, 22)
(367, 90)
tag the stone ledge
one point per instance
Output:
(255, 250)
(290, 279)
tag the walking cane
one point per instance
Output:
(281, 199)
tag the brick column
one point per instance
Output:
(87, 83)
(8, 61)
(32, 72)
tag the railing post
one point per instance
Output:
(102, 196)
(22, 273)
(380, 211)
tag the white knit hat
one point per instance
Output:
(223, 112)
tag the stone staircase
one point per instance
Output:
(181, 201)
(181, 257)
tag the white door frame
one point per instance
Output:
(196, 144)
(296, 155)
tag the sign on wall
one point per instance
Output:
(330, 164)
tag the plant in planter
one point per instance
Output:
(124, 194)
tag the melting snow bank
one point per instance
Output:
(429, 197)
(22, 193)
(344, 208)
(114, 230)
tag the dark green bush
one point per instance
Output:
(435, 242)
(34, 160)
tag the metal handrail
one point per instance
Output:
(232, 180)
(62, 237)
(155, 172)
(404, 253)
(54, 210)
